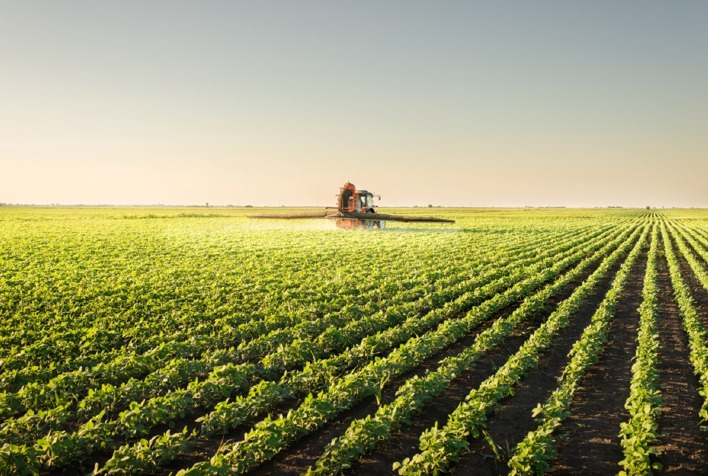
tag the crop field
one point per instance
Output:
(196, 341)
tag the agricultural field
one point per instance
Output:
(196, 341)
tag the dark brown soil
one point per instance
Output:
(684, 447)
(514, 419)
(305, 452)
(405, 442)
(481, 459)
(588, 441)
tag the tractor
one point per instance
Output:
(355, 210)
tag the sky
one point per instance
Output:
(454, 103)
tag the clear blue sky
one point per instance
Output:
(507, 103)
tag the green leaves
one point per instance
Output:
(439, 449)
(639, 436)
(114, 330)
(691, 321)
(146, 455)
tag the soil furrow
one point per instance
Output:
(588, 440)
(300, 450)
(696, 289)
(305, 452)
(405, 443)
(684, 448)
(514, 419)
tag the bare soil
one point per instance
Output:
(481, 459)
(588, 441)
(514, 420)
(305, 452)
(684, 447)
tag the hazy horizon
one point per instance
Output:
(472, 104)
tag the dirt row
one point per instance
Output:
(514, 420)
(684, 446)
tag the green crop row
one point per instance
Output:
(532, 454)
(691, 322)
(640, 434)
(698, 268)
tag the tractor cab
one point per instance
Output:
(366, 201)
